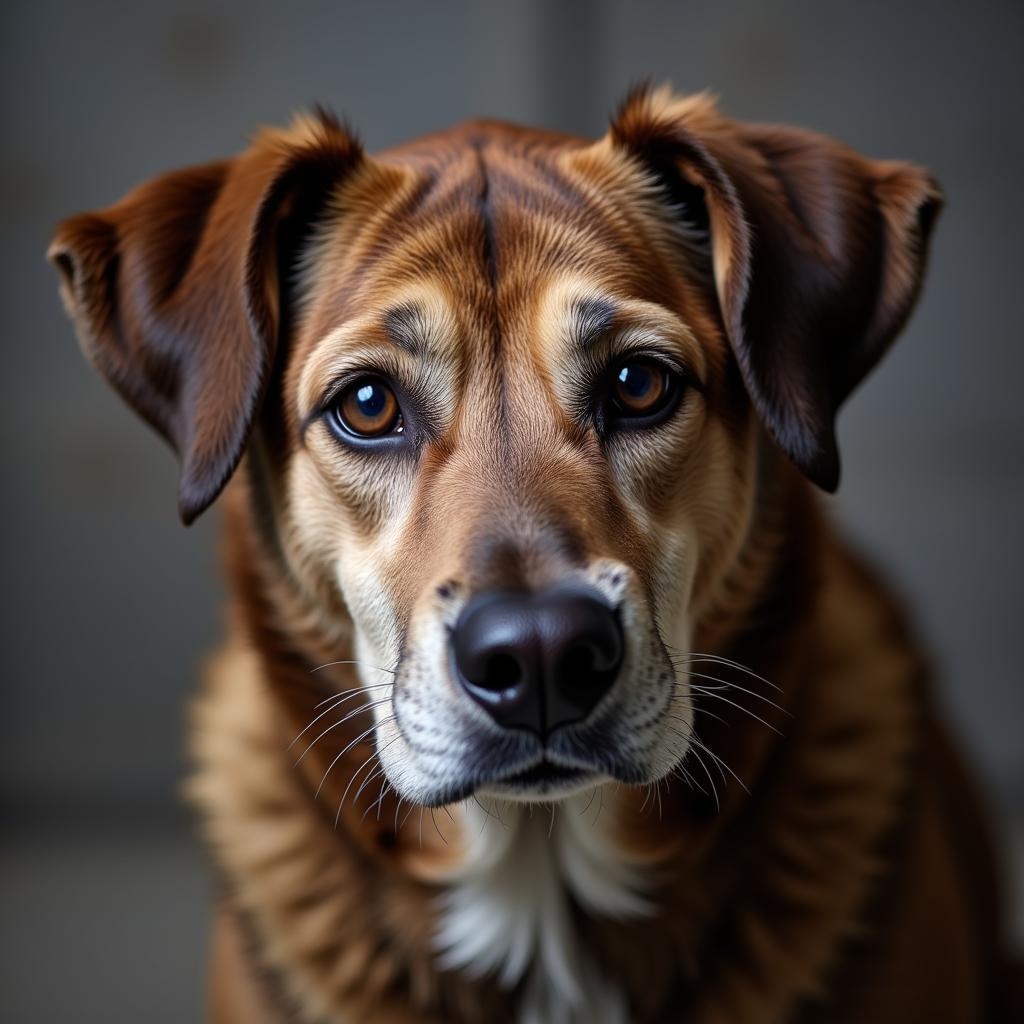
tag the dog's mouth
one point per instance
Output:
(521, 767)
(542, 779)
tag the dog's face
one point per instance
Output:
(514, 393)
(518, 461)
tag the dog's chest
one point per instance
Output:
(508, 911)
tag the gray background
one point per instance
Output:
(109, 605)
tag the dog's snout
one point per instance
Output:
(537, 660)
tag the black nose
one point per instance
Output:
(537, 661)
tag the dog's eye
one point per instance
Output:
(642, 387)
(368, 408)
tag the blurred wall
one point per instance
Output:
(109, 605)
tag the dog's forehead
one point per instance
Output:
(484, 220)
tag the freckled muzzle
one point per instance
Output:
(537, 661)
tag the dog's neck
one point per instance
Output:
(512, 908)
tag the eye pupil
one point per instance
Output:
(367, 408)
(371, 399)
(636, 381)
(643, 387)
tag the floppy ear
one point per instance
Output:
(818, 255)
(176, 291)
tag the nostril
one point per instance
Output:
(587, 668)
(586, 647)
(577, 663)
(575, 673)
(494, 653)
(503, 672)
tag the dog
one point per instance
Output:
(550, 694)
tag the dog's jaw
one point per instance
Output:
(507, 912)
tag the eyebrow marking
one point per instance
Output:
(590, 319)
(407, 327)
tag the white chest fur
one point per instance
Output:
(507, 912)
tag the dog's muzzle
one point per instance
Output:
(537, 661)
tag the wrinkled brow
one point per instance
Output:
(589, 319)
(408, 326)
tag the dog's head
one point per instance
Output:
(510, 396)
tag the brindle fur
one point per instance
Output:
(852, 882)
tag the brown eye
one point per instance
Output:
(368, 408)
(642, 388)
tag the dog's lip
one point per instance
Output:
(544, 772)
(542, 780)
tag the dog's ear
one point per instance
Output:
(817, 254)
(176, 291)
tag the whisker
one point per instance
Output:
(496, 804)
(688, 778)
(372, 668)
(726, 684)
(714, 757)
(341, 721)
(343, 699)
(647, 796)
(346, 749)
(593, 793)
(696, 656)
(341, 802)
(408, 814)
(354, 689)
(436, 829)
(376, 803)
(490, 814)
(711, 782)
(700, 711)
(739, 707)
(375, 773)
(379, 770)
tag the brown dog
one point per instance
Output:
(592, 719)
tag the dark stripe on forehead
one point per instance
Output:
(487, 215)
(490, 255)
